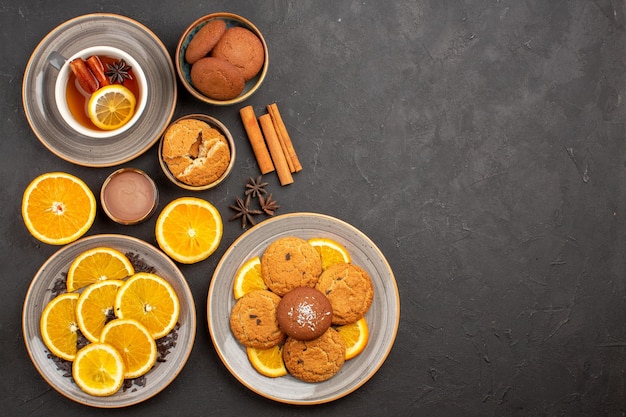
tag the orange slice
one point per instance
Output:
(268, 362)
(98, 264)
(95, 306)
(134, 342)
(111, 107)
(189, 229)
(98, 369)
(150, 300)
(58, 208)
(59, 330)
(248, 278)
(331, 252)
(355, 335)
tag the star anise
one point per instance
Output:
(244, 212)
(255, 187)
(118, 72)
(268, 205)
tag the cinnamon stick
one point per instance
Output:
(279, 158)
(283, 146)
(85, 78)
(97, 68)
(257, 142)
(281, 131)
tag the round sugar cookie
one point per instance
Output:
(288, 263)
(253, 320)
(204, 40)
(350, 291)
(315, 360)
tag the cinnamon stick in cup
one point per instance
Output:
(283, 136)
(97, 68)
(280, 161)
(257, 142)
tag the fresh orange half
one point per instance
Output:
(189, 229)
(134, 342)
(58, 326)
(248, 278)
(111, 107)
(98, 369)
(58, 208)
(356, 336)
(151, 300)
(95, 307)
(331, 252)
(98, 264)
(268, 362)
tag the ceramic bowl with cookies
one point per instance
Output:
(222, 58)
(197, 152)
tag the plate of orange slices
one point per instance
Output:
(369, 341)
(89, 300)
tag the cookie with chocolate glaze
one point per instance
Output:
(304, 313)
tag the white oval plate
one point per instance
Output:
(383, 316)
(39, 294)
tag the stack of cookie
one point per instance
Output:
(301, 306)
(222, 59)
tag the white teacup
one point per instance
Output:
(60, 90)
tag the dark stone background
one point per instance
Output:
(479, 143)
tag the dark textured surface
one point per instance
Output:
(479, 143)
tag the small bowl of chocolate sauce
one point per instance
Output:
(129, 196)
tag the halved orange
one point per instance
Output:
(59, 330)
(111, 106)
(268, 362)
(98, 369)
(151, 300)
(98, 264)
(189, 229)
(248, 278)
(331, 251)
(58, 208)
(355, 335)
(134, 342)
(95, 307)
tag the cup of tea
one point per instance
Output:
(72, 97)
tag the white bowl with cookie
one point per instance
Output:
(197, 152)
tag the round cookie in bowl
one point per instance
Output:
(197, 152)
(222, 58)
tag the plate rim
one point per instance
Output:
(76, 20)
(281, 218)
(166, 259)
